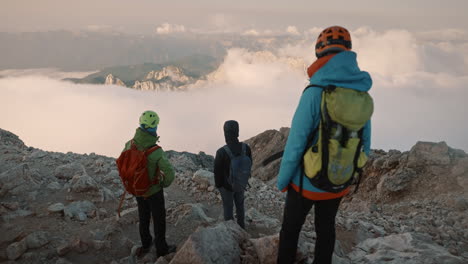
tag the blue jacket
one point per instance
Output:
(341, 70)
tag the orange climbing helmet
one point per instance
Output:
(331, 40)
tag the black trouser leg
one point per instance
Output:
(144, 213)
(325, 213)
(228, 203)
(240, 211)
(295, 212)
(158, 211)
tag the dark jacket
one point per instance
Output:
(222, 161)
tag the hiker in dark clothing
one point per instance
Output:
(222, 171)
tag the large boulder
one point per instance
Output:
(429, 154)
(16, 249)
(185, 161)
(408, 248)
(204, 177)
(19, 180)
(189, 213)
(9, 139)
(37, 239)
(210, 245)
(255, 218)
(67, 171)
(83, 183)
(266, 248)
(263, 146)
(396, 181)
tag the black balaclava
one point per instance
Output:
(231, 131)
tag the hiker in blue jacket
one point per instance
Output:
(335, 65)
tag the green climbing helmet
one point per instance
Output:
(149, 119)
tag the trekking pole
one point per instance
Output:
(121, 202)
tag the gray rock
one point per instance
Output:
(56, 208)
(63, 249)
(37, 154)
(99, 244)
(219, 244)
(79, 210)
(396, 181)
(37, 239)
(69, 170)
(263, 146)
(62, 261)
(106, 194)
(405, 248)
(203, 177)
(184, 161)
(266, 248)
(20, 179)
(16, 214)
(83, 183)
(428, 153)
(161, 260)
(191, 212)
(79, 246)
(111, 176)
(16, 249)
(260, 220)
(9, 139)
(54, 186)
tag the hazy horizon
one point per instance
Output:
(145, 16)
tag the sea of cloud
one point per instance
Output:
(420, 92)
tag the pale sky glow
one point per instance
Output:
(143, 16)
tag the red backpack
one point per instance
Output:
(133, 171)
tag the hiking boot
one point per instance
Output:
(170, 249)
(142, 251)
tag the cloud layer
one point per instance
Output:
(420, 93)
(167, 28)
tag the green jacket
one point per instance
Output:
(157, 159)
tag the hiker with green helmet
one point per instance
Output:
(161, 174)
(327, 146)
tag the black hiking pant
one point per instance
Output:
(229, 199)
(153, 206)
(295, 213)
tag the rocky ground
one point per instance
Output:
(61, 208)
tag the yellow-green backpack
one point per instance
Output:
(336, 160)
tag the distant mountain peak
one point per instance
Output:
(111, 80)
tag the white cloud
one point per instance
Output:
(419, 90)
(41, 72)
(62, 116)
(251, 32)
(99, 28)
(292, 30)
(167, 28)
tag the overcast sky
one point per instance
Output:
(143, 16)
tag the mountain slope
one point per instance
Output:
(60, 208)
(195, 66)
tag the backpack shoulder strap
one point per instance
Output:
(244, 149)
(228, 151)
(151, 149)
(326, 88)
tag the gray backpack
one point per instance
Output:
(239, 173)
